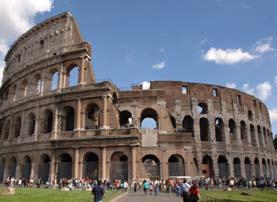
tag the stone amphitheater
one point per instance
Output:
(56, 125)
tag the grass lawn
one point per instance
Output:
(235, 196)
(52, 195)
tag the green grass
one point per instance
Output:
(235, 196)
(51, 195)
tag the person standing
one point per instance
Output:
(145, 187)
(185, 191)
(194, 192)
(98, 192)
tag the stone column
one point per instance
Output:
(82, 72)
(261, 172)
(34, 171)
(253, 172)
(133, 153)
(42, 83)
(215, 165)
(76, 163)
(231, 167)
(53, 173)
(18, 171)
(78, 117)
(36, 125)
(61, 78)
(54, 134)
(242, 168)
(103, 163)
(11, 129)
(22, 129)
(104, 112)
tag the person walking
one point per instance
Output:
(185, 191)
(145, 187)
(98, 192)
(194, 192)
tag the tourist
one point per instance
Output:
(185, 191)
(194, 192)
(145, 187)
(98, 192)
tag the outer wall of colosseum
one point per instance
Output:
(53, 126)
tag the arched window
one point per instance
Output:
(219, 129)
(44, 168)
(202, 108)
(23, 89)
(176, 165)
(204, 129)
(260, 135)
(232, 127)
(6, 129)
(149, 118)
(247, 164)
(207, 166)
(73, 76)
(223, 166)
(68, 118)
(12, 167)
(173, 121)
(31, 123)
(119, 166)
(48, 121)
(64, 166)
(17, 127)
(243, 130)
(125, 119)
(237, 171)
(252, 133)
(250, 115)
(91, 164)
(55, 81)
(92, 116)
(187, 124)
(151, 166)
(26, 168)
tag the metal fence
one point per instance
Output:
(119, 170)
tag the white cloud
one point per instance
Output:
(273, 114)
(246, 88)
(264, 90)
(231, 85)
(228, 56)
(17, 16)
(159, 65)
(263, 48)
(275, 80)
(145, 85)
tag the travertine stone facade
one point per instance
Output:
(53, 127)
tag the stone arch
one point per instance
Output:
(202, 108)
(204, 129)
(253, 136)
(26, 167)
(90, 165)
(207, 166)
(247, 165)
(149, 119)
(219, 130)
(72, 75)
(6, 129)
(264, 134)
(232, 128)
(173, 121)
(23, 89)
(12, 167)
(260, 135)
(269, 174)
(257, 167)
(2, 169)
(250, 115)
(68, 118)
(37, 84)
(92, 116)
(64, 166)
(151, 164)
(48, 121)
(125, 119)
(31, 123)
(243, 131)
(237, 167)
(44, 168)
(223, 166)
(55, 77)
(187, 124)
(264, 167)
(119, 166)
(17, 126)
(176, 165)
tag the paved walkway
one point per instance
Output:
(140, 197)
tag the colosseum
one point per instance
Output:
(56, 125)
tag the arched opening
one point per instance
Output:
(73, 76)
(232, 129)
(90, 165)
(207, 166)
(44, 168)
(264, 167)
(23, 89)
(64, 166)
(92, 116)
(149, 118)
(260, 135)
(6, 129)
(125, 119)
(173, 121)
(250, 115)
(187, 124)
(223, 166)
(204, 129)
(257, 167)
(48, 121)
(151, 166)
(13, 93)
(265, 139)
(269, 174)
(243, 130)
(26, 167)
(119, 167)
(2, 169)
(219, 130)
(252, 133)
(55, 81)
(38, 84)
(202, 108)
(17, 127)
(12, 167)
(247, 164)
(31, 124)
(237, 171)
(176, 165)
(68, 118)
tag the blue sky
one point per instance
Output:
(213, 41)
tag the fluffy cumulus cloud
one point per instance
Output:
(159, 65)
(263, 48)
(246, 88)
(227, 56)
(264, 90)
(231, 85)
(145, 85)
(273, 114)
(17, 17)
